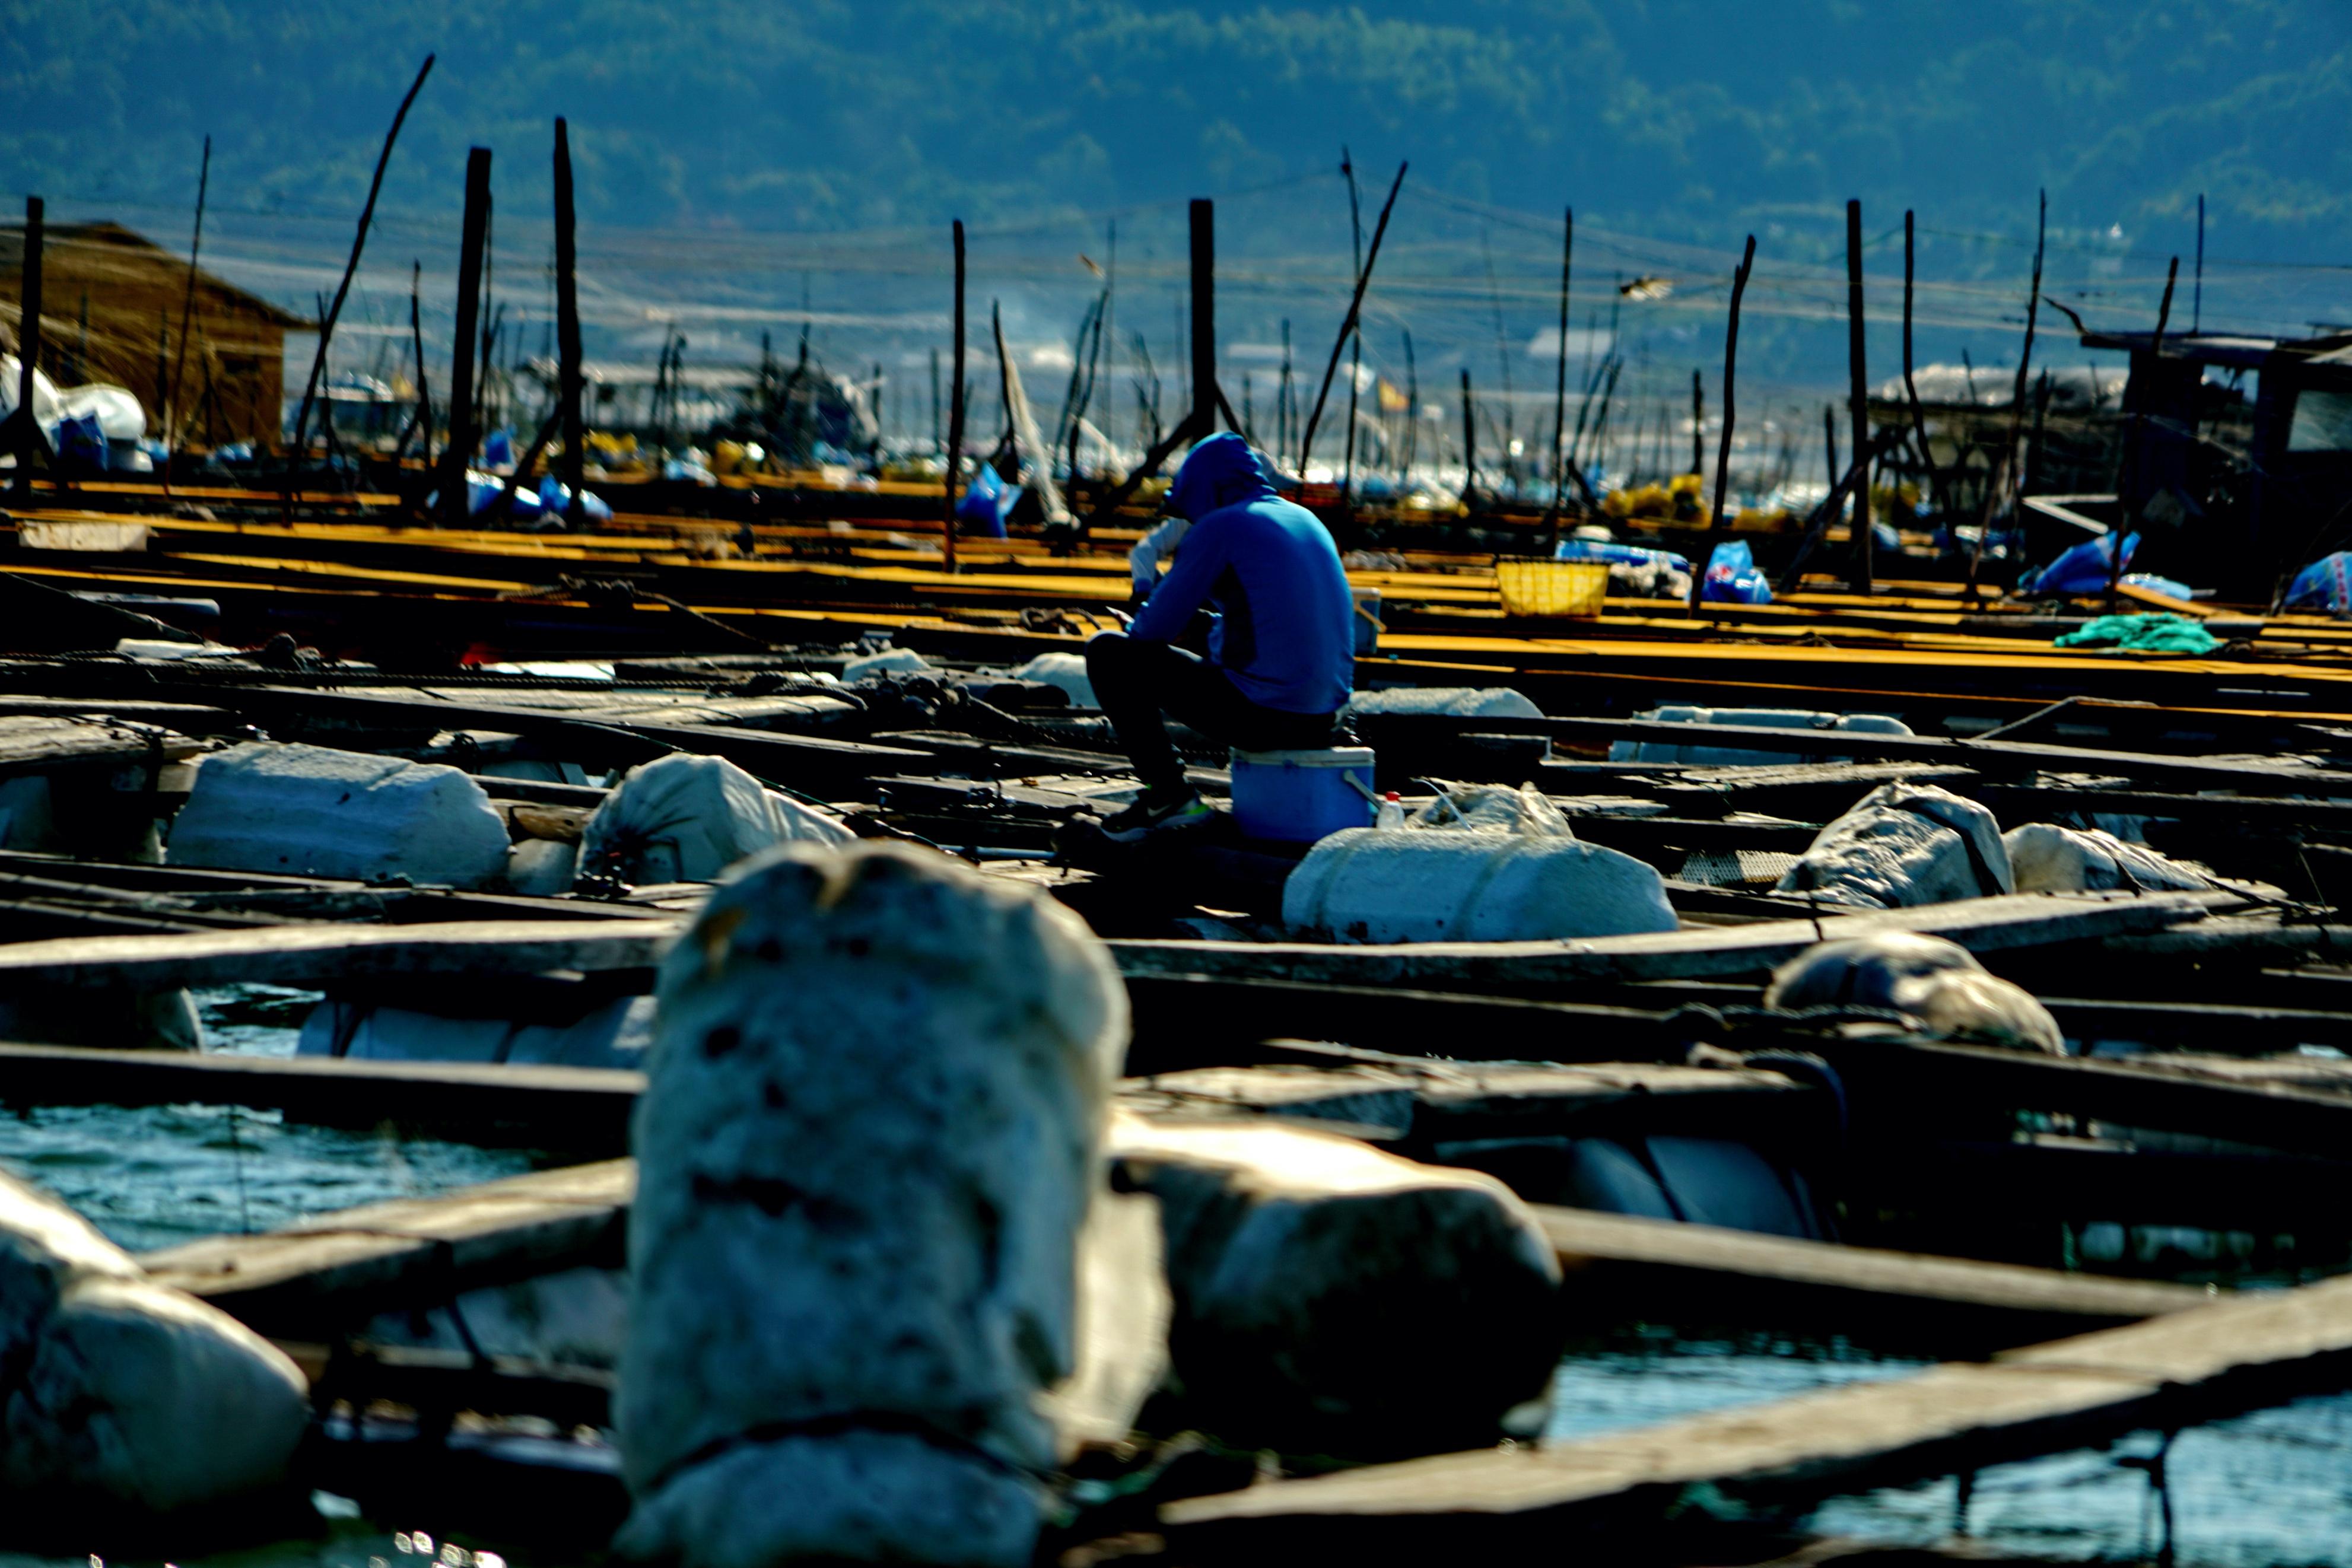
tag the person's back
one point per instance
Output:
(1281, 653)
(1284, 633)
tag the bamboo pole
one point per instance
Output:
(2138, 434)
(31, 439)
(2005, 476)
(1911, 387)
(955, 406)
(358, 244)
(462, 432)
(1723, 447)
(1698, 424)
(1560, 382)
(567, 332)
(1469, 446)
(1857, 393)
(171, 409)
(1205, 393)
(1348, 327)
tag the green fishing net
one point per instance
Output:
(2143, 634)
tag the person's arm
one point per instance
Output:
(1185, 589)
(1143, 560)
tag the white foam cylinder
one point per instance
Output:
(118, 1393)
(1364, 884)
(312, 810)
(867, 1142)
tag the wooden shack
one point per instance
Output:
(111, 305)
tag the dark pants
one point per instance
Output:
(1136, 682)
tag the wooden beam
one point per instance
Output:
(583, 1109)
(1982, 924)
(349, 1266)
(1890, 1082)
(320, 954)
(1624, 1268)
(2171, 1371)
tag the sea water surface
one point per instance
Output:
(2274, 1486)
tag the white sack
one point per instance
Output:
(1936, 982)
(1066, 672)
(1902, 845)
(686, 818)
(116, 1393)
(2047, 857)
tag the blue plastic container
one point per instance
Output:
(1301, 796)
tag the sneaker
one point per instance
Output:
(1155, 810)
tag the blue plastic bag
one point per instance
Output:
(498, 449)
(986, 503)
(1732, 577)
(2325, 584)
(2085, 568)
(81, 441)
(1618, 555)
(557, 499)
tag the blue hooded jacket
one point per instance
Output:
(1284, 632)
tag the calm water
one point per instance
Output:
(155, 1176)
(2275, 1487)
(2270, 1488)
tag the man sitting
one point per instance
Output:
(1281, 649)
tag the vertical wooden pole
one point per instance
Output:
(567, 331)
(2135, 431)
(1469, 446)
(2197, 298)
(1857, 395)
(462, 432)
(1911, 387)
(955, 405)
(1559, 380)
(1698, 424)
(171, 409)
(937, 436)
(1716, 520)
(1829, 443)
(359, 243)
(30, 438)
(1205, 319)
(424, 391)
(2006, 471)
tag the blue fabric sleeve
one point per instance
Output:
(1186, 587)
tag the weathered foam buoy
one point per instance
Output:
(1754, 717)
(686, 818)
(2047, 857)
(309, 810)
(868, 1139)
(1460, 702)
(1066, 673)
(1300, 1262)
(1938, 982)
(1902, 845)
(118, 1394)
(1375, 885)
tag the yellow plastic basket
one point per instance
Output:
(1536, 587)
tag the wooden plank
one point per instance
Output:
(1892, 1082)
(320, 954)
(2170, 1371)
(1982, 924)
(1622, 1267)
(349, 1266)
(2256, 777)
(583, 1109)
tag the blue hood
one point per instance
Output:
(1221, 471)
